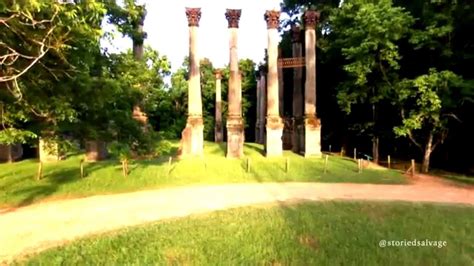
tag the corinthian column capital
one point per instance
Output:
(272, 17)
(233, 17)
(311, 19)
(193, 15)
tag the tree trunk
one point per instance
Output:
(375, 149)
(375, 138)
(425, 166)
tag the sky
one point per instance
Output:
(167, 29)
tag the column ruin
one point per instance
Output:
(218, 128)
(262, 111)
(312, 140)
(281, 92)
(257, 125)
(297, 110)
(235, 125)
(192, 137)
(274, 125)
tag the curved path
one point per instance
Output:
(36, 227)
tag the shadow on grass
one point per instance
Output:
(256, 148)
(24, 190)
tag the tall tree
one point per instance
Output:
(428, 103)
(370, 47)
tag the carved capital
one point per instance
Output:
(218, 73)
(272, 17)
(274, 122)
(311, 19)
(193, 15)
(233, 17)
(195, 120)
(312, 121)
(295, 34)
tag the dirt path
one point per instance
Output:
(37, 227)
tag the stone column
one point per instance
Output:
(235, 125)
(10, 153)
(192, 137)
(218, 128)
(263, 104)
(274, 126)
(312, 141)
(281, 93)
(298, 119)
(96, 150)
(257, 126)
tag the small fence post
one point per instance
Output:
(170, 161)
(325, 163)
(412, 167)
(39, 174)
(329, 148)
(355, 154)
(359, 163)
(388, 162)
(82, 168)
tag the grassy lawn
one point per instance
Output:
(18, 186)
(456, 177)
(327, 233)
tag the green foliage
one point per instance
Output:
(120, 150)
(428, 100)
(127, 18)
(370, 47)
(11, 136)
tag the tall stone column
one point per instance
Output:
(274, 126)
(312, 141)
(257, 122)
(263, 104)
(218, 128)
(281, 93)
(235, 125)
(298, 119)
(192, 140)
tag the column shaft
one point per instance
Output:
(281, 92)
(263, 106)
(274, 126)
(192, 137)
(312, 140)
(194, 82)
(298, 103)
(235, 125)
(218, 132)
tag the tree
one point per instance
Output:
(428, 103)
(44, 45)
(370, 47)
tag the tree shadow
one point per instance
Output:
(255, 147)
(54, 176)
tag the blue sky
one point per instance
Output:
(167, 29)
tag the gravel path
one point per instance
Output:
(40, 226)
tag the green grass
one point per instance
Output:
(327, 233)
(18, 186)
(456, 177)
